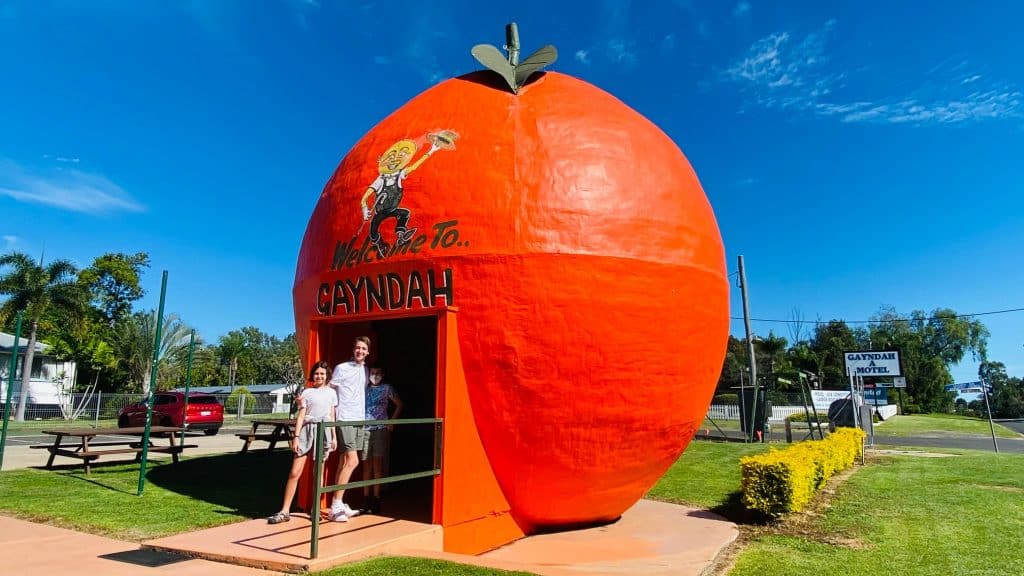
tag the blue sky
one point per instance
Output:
(858, 155)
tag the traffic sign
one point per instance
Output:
(899, 382)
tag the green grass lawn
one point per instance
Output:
(707, 475)
(713, 426)
(196, 493)
(939, 425)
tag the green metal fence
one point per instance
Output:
(314, 514)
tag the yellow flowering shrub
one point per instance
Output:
(782, 481)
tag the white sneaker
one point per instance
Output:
(338, 515)
(350, 512)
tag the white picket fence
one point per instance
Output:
(732, 412)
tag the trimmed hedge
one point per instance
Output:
(782, 481)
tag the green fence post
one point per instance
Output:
(314, 511)
(10, 387)
(188, 384)
(152, 384)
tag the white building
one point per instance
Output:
(50, 380)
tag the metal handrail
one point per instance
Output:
(318, 491)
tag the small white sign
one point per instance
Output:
(899, 382)
(822, 399)
(882, 363)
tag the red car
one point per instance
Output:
(204, 412)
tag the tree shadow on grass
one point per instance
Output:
(244, 484)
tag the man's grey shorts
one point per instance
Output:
(352, 438)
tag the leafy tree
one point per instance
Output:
(253, 356)
(113, 283)
(734, 367)
(286, 363)
(829, 343)
(928, 345)
(771, 352)
(207, 369)
(88, 345)
(1007, 396)
(232, 348)
(35, 289)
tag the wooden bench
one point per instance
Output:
(86, 451)
(282, 432)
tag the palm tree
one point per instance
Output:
(34, 289)
(232, 347)
(133, 339)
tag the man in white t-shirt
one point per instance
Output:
(349, 380)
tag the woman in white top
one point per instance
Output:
(316, 404)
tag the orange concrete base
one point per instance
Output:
(285, 547)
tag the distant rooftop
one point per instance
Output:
(7, 343)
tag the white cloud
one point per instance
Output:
(784, 73)
(583, 56)
(10, 241)
(741, 10)
(780, 72)
(66, 159)
(67, 189)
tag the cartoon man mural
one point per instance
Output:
(388, 188)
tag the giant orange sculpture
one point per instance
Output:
(584, 260)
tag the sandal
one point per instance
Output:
(278, 518)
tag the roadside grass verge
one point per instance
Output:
(939, 425)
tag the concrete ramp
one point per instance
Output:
(285, 547)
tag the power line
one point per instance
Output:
(882, 321)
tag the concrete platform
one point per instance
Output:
(285, 547)
(652, 538)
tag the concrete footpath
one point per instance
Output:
(30, 548)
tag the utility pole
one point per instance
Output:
(750, 349)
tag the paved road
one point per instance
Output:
(1009, 445)
(1017, 425)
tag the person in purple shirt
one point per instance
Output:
(382, 403)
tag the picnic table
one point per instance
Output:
(85, 449)
(282, 431)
